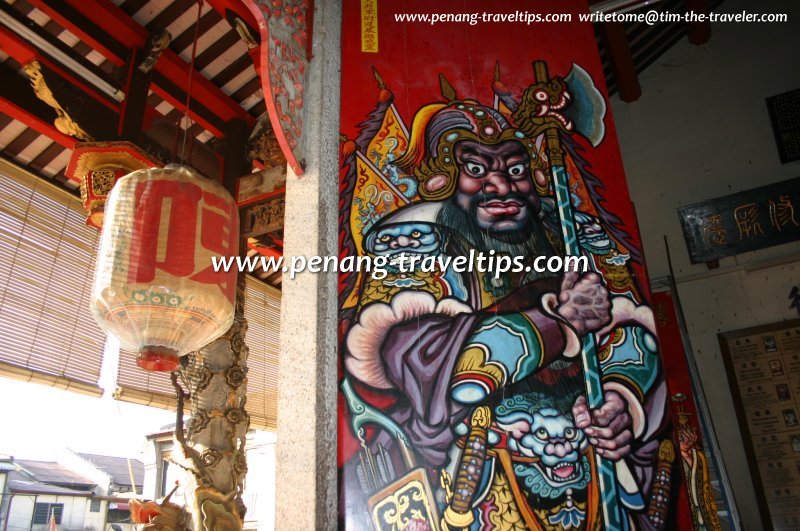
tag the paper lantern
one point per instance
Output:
(155, 287)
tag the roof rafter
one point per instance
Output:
(101, 21)
(24, 51)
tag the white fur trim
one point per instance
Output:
(572, 345)
(625, 312)
(365, 338)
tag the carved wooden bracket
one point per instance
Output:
(263, 144)
(158, 42)
(63, 122)
(263, 218)
(98, 166)
(282, 62)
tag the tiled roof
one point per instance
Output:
(117, 468)
(18, 483)
(54, 474)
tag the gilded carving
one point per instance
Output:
(264, 217)
(63, 122)
(161, 516)
(198, 422)
(236, 376)
(202, 379)
(263, 144)
(210, 457)
(95, 187)
(215, 457)
(217, 511)
(159, 41)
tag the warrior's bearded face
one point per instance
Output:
(495, 188)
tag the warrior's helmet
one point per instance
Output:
(438, 127)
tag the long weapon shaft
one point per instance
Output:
(609, 499)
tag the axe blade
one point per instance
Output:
(588, 106)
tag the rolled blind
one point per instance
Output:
(47, 333)
(262, 309)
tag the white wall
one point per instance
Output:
(3, 494)
(20, 512)
(701, 130)
(151, 457)
(259, 486)
(72, 461)
(72, 517)
(96, 521)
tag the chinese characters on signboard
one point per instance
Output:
(741, 222)
(369, 26)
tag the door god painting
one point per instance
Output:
(485, 385)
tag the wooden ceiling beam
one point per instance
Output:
(170, 14)
(21, 141)
(114, 21)
(258, 109)
(170, 91)
(24, 51)
(90, 33)
(133, 6)
(248, 88)
(134, 108)
(18, 101)
(216, 49)
(230, 72)
(71, 110)
(194, 130)
(185, 39)
(225, 108)
(47, 156)
(233, 153)
(699, 32)
(210, 106)
(621, 59)
(269, 252)
(235, 8)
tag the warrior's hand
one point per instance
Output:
(609, 427)
(583, 302)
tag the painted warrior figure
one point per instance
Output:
(475, 380)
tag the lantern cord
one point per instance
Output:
(186, 118)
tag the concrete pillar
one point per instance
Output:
(306, 449)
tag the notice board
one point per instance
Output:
(763, 366)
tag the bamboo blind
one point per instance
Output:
(47, 333)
